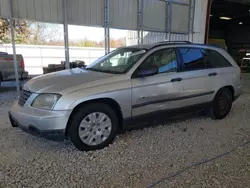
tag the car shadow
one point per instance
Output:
(4, 89)
(163, 120)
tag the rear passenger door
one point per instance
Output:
(220, 66)
(199, 80)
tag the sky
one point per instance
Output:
(92, 33)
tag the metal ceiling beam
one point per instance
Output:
(238, 1)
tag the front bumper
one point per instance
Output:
(44, 123)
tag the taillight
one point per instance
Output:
(22, 63)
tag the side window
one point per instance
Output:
(164, 60)
(192, 58)
(215, 60)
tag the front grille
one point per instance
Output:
(24, 96)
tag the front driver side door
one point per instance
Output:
(157, 92)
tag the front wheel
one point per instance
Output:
(93, 127)
(222, 104)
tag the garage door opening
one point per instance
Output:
(229, 27)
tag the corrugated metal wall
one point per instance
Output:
(86, 12)
(154, 15)
(123, 13)
(36, 10)
(4, 8)
(180, 18)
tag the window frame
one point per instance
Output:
(178, 62)
(129, 67)
(222, 56)
(182, 60)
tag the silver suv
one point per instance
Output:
(90, 105)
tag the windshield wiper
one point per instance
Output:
(104, 71)
(92, 69)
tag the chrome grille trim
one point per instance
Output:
(24, 96)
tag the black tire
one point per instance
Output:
(80, 114)
(222, 104)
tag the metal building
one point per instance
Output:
(169, 19)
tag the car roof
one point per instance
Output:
(167, 43)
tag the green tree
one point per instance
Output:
(22, 31)
(86, 43)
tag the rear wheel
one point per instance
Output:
(93, 127)
(222, 104)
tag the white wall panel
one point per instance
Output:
(180, 18)
(200, 20)
(123, 14)
(179, 37)
(154, 15)
(36, 57)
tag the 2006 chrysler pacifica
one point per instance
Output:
(90, 105)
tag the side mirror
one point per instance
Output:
(149, 71)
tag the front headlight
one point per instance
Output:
(46, 101)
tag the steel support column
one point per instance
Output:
(191, 20)
(66, 33)
(209, 7)
(14, 47)
(106, 27)
(169, 19)
(140, 22)
(193, 31)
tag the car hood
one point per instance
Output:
(67, 80)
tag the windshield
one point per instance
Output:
(119, 61)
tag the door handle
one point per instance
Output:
(212, 74)
(176, 80)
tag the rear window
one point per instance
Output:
(214, 59)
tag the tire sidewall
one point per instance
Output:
(80, 114)
(215, 111)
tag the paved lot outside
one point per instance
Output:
(137, 158)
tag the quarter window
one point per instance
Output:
(215, 60)
(165, 61)
(192, 58)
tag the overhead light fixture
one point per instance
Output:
(211, 15)
(240, 23)
(225, 18)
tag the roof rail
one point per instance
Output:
(170, 42)
(167, 42)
